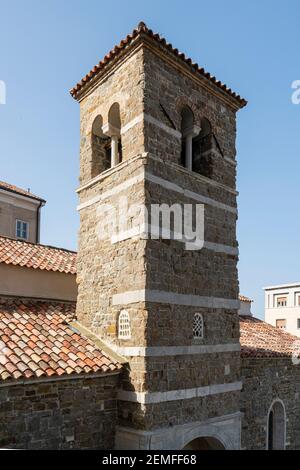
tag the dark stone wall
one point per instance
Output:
(172, 88)
(62, 414)
(266, 380)
(157, 91)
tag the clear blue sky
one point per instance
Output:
(47, 46)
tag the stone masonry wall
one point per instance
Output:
(206, 273)
(172, 89)
(105, 268)
(177, 412)
(125, 87)
(10, 213)
(265, 380)
(61, 414)
(145, 83)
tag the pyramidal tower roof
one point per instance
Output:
(143, 34)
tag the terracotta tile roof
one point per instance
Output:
(242, 298)
(36, 341)
(261, 340)
(14, 189)
(30, 255)
(142, 32)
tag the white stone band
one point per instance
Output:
(137, 120)
(144, 232)
(230, 160)
(158, 351)
(187, 193)
(151, 120)
(174, 395)
(161, 182)
(161, 125)
(219, 248)
(173, 298)
(113, 191)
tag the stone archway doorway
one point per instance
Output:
(205, 443)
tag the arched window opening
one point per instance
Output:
(198, 327)
(205, 443)
(276, 427)
(189, 131)
(113, 130)
(124, 330)
(271, 430)
(100, 148)
(202, 150)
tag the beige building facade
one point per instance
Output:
(26, 282)
(20, 213)
(30, 270)
(282, 307)
(27, 268)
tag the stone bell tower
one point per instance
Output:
(157, 129)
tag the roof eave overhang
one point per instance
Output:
(35, 199)
(167, 52)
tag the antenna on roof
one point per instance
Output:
(28, 190)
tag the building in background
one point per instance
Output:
(27, 268)
(37, 271)
(270, 374)
(245, 305)
(282, 307)
(20, 213)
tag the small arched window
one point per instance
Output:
(188, 131)
(124, 330)
(100, 148)
(202, 150)
(113, 130)
(276, 427)
(106, 142)
(198, 326)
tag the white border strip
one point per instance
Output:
(132, 123)
(189, 194)
(173, 298)
(219, 248)
(174, 395)
(158, 351)
(161, 125)
(230, 160)
(151, 120)
(161, 182)
(144, 232)
(192, 174)
(115, 190)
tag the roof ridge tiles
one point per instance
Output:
(143, 30)
(262, 340)
(37, 256)
(25, 242)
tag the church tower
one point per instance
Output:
(158, 136)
